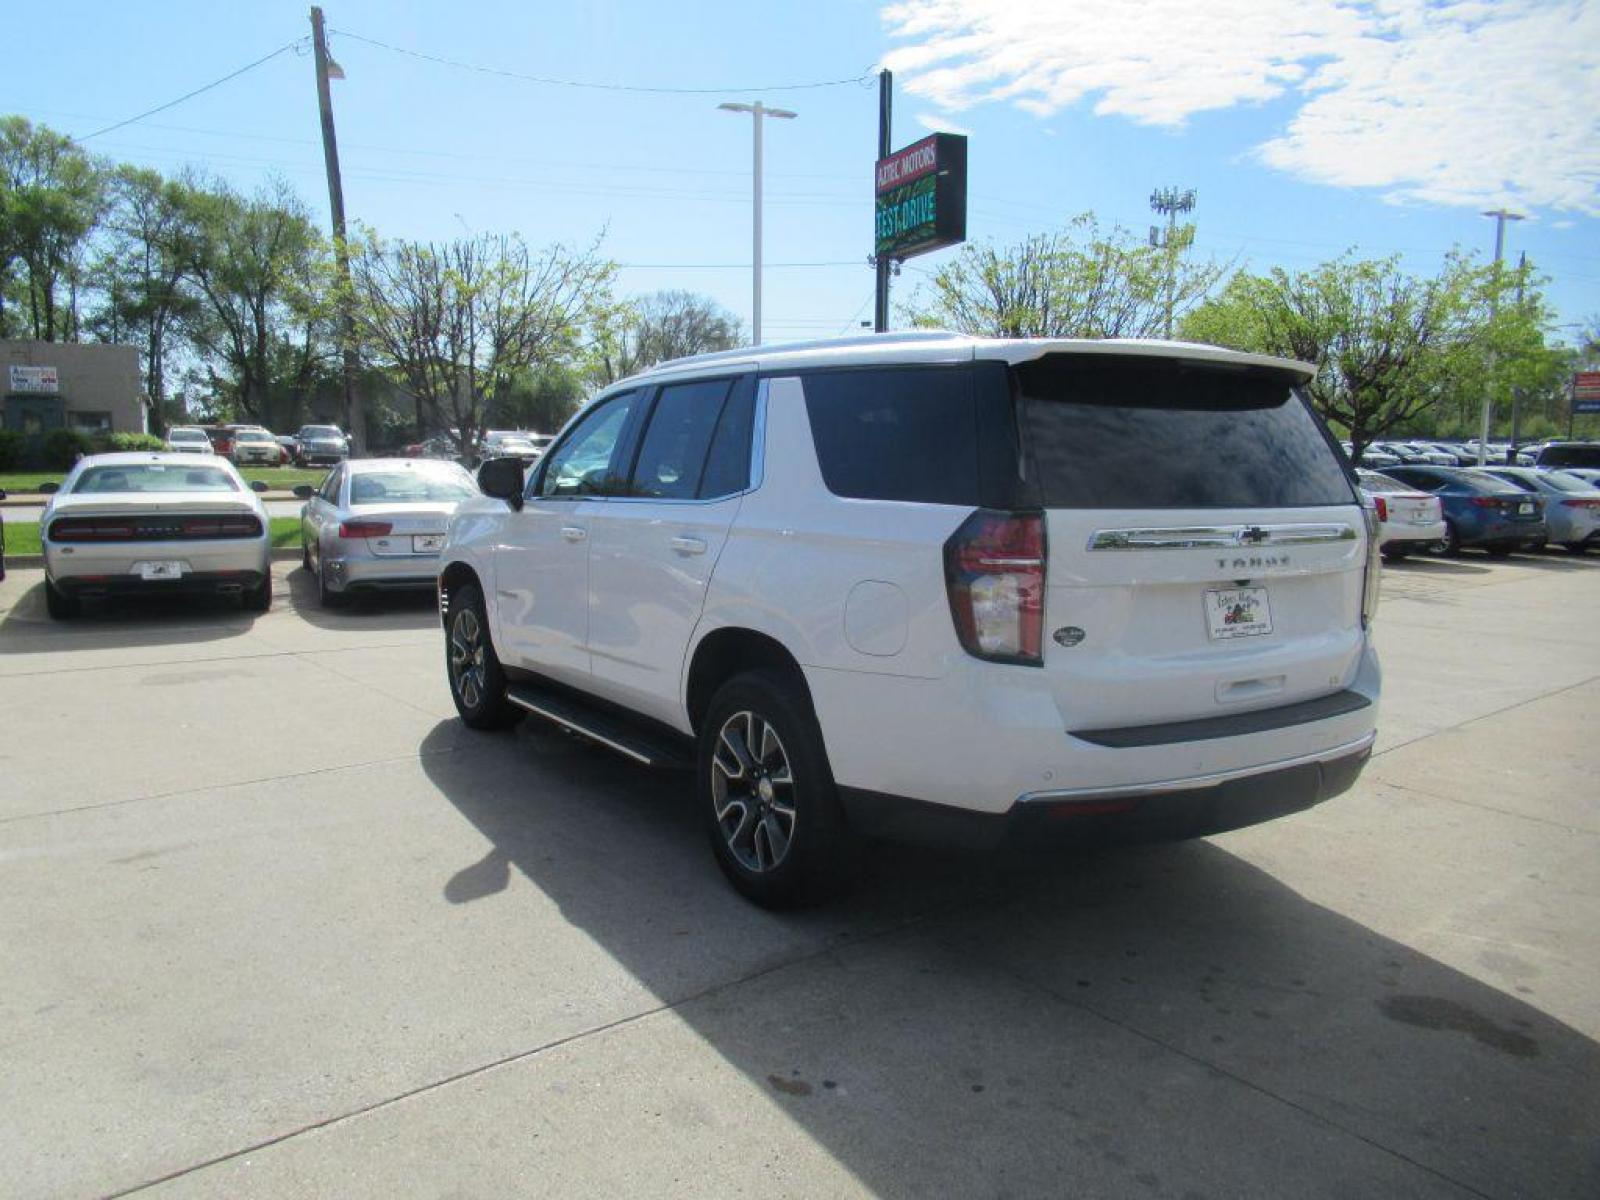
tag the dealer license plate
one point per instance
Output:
(1237, 612)
(1524, 509)
(159, 570)
(427, 543)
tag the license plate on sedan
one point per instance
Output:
(1237, 612)
(1524, 509)
(150, 571)
(427, 543)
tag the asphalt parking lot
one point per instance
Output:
(273, 924)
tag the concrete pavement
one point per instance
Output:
(272, 923)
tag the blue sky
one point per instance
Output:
(1306, 126)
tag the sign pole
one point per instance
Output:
(880, 312)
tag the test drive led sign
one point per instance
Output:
(922, 197)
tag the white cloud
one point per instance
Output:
(1461, 102)
(935, 123)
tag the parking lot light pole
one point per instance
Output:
(1501, 215)
(757, 112)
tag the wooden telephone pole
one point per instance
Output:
(354, 418)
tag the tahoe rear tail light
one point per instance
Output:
(364, 529)
(994, 573)
(1374, 572)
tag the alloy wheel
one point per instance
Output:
(752, 788)
(467, 657)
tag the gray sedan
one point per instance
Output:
(1571, 504)
(378, 524)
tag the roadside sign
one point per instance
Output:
(921, 197)
(1586, 392)
(34, 380)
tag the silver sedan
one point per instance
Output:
(378, 524)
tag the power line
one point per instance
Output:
(599, 87)
(284, 49)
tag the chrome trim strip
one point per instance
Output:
(579, 729)
(1218, 537)
(1199, 781)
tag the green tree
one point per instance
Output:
(144, 272)
(263, 273)
(1391, 349)
(1077, 282)
(639, 334)
(52, 194)
(540, 400)
(456, 324)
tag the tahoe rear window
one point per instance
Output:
(1136, 432)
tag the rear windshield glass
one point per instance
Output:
(1136, 432)
(1481, 480)
(153, 477)
(410, 486)
(1374, 482)
(1563, 482)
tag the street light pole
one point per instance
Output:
(1501, 215)
(757, 112)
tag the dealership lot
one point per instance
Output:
(273, 923)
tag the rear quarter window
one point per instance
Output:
(1108, 431)
(902, 433)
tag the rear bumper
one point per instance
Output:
(192, 583)
(1174, 809)
(111, 564)
(361, 572)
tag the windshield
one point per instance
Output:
(1138, 432)
(320, 431)
(187, 435)
(1373, 482)
(411, 486)
(153, 477)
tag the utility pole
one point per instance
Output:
(354, 418)
(758, 111)
(1171, 201)
(880, 311)
(1501, 215)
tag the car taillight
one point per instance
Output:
(994, 573)
(70, 530)
(364, 529)
(1374, 571)
(1583, 502)
(1382, 506)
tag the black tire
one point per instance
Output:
(477, 684)
(1395, 555)
(743, 817)
(1578, 548)
(305, 553)
(1452, 539)
(259, 598)
(58, 604)
(1500, 550)
(325, 597)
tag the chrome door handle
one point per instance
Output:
(572, 533)
(688, 545)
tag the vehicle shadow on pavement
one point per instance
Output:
(122, 622)
(1166, 1020)
(398, 610)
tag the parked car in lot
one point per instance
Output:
(255, 446)
(1571, 505)
(288, 448)
(188, 439)
(499, 443)
(1480, 511)
(221, 439)
(1590, 475)
(934, 587)
(377, 524)
(154, 523)
(1569, 454)
(1409, 521)
(321, 445)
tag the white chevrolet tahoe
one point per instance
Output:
(931, 587)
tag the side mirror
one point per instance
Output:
(49, 489)
(502, 478)
(304, 491)
(257, 486)
(2, 493)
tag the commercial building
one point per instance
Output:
(71, 385)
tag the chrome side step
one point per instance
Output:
(613, 732)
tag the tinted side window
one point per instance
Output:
(672, 455)
(581, 465)
(1139, 432)
(896, 433)
(728, 463)
(330, 485)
